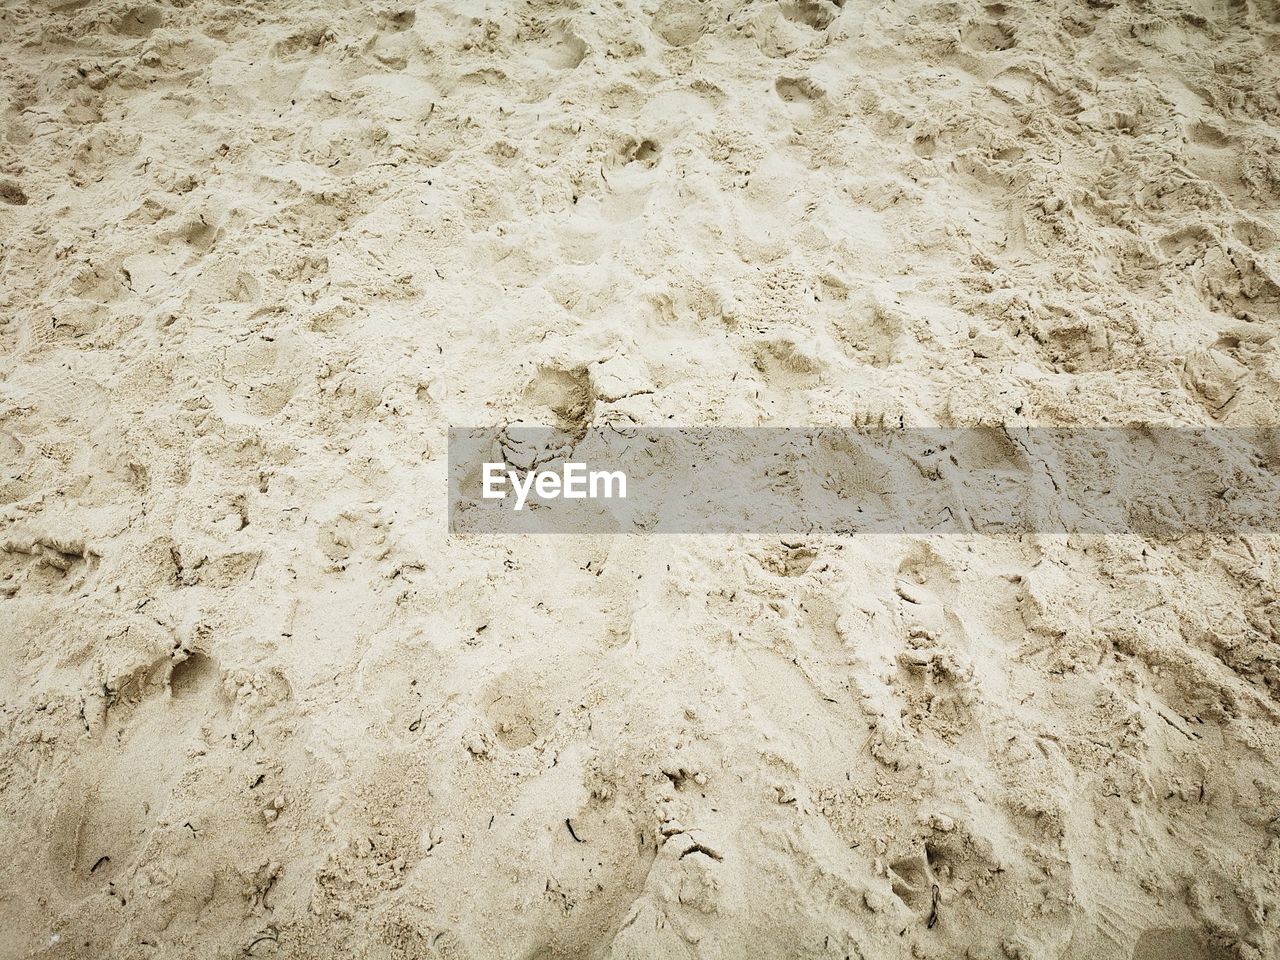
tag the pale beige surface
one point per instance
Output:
(256, 257)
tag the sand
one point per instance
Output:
(256, 258)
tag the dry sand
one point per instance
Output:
(258, 256)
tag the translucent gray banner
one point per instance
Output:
(1153, 481)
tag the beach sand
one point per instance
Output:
(256, 258)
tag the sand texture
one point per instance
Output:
(256, 257)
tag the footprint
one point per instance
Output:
(196, 230)
(1213, 378)
(798, 90)
(788, 360)
(517, 719)
(1231, 378)
(940, 695)
(988, 37)
(522, 704)
(914, 883)
(870, 333)
(305, 42)
(786, 559)
(645, 152)
(138, 21)
(817, 14)
(565, 394)
(1187, 245)
(1177, 943)
(261, 375)
(679, 22)
(12, 194)
(561, 48)
(1207, 135)
(925, 146)
(990, 450)
(120, 791)
(45, 565)
(856, 472)
(401, 20)
(1072, 341)
(354, 535)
